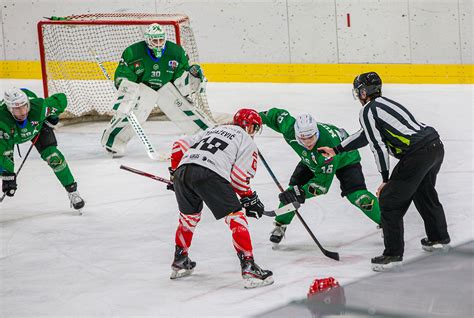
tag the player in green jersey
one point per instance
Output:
(314, 174)
(153, 62)
(25, 117)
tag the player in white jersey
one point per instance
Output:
(212, 167)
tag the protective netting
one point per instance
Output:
(71, 48)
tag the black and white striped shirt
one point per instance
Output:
(389, 128)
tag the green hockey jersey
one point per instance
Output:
(324, 169)
(139, 65)
(13, 132)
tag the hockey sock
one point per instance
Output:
(57, 162)
(185, 230)
(365, 201)
(240, 233)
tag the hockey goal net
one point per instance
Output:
(70, 50)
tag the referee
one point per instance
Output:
(389, 128)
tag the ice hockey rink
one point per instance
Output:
(114, 260)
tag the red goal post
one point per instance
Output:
(70, 48)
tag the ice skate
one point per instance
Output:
(277, 234)
(386, 263)
(77, 203)
(182, 265)
(432, 246)
(114, 154)
(252, 274)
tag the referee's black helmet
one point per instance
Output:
(370, 82)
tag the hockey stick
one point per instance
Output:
(23, 162)
(146, 174)
(137, 127)
(272, 213)
(333, 255)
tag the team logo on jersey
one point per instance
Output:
(304, 153)
(172, 65)
(156, 66)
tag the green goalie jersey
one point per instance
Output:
(13, 132)
(324, 169)
(139, 65)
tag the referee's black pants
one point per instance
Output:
(413, 178)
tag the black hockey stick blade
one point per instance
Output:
(333, 255)
(270, 213)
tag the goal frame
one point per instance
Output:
(70, 21)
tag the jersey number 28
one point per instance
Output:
(210, 144)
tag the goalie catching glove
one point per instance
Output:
(196, 71)
(291, 195)
(253, 206)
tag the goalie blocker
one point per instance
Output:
(139, 100)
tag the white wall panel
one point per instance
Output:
(434, 32)
(2, 47)
(235, 30)
(280, 31)
(21, 16)
(312, 31)
(466, 26)
(378, 31)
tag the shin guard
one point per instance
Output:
(240, 234)
(185, 230)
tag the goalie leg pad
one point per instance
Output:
(130, 97)
(117, 135)
(180, 111)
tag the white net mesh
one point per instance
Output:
(70, 50)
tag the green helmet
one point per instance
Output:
(155, 38)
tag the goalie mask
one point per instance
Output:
(306, 131)
(155, 38)
(249, 120)
(17, 103)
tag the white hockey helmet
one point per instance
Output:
(306, 130)
(155, 38)
(15, 99)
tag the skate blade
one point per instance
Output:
(178, 273)
(436, 248)
(255, 282)
(392, 267)
(275, 246)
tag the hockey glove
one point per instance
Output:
(9, 183)
(171, 185)
(253, 206)
(293, 194)
(196, 71)
(51, 121)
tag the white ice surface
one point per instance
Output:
(115, 259)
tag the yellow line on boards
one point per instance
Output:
(269, 73)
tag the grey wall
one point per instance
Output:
(281, 31)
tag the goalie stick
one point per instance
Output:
(333, 255)
(272, 213)
(132, 119)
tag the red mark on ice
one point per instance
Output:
(348, 20)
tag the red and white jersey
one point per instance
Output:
(227, 150)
